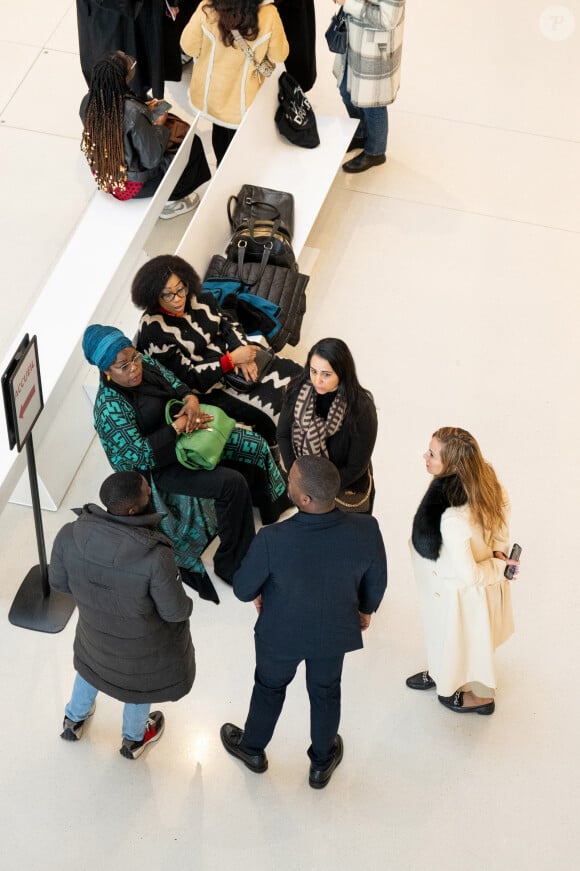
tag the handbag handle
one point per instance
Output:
(266, 251)
(276, 216)
(234, 199)
(170, 405)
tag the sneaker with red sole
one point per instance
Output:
(153, 732)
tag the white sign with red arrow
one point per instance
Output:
(27, 393)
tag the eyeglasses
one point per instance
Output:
(134, 361)
(133, 62)
(170, 295)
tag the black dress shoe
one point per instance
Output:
(455, 703)
(363, 161)
(420, 681)
(319, 777)
(231, 738)
(356, 142)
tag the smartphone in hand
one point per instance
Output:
(516, 552)
(160, 109)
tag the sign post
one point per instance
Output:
(34, 606)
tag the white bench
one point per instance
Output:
(89, 284)
(260, 155)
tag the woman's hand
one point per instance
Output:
(249, 371)
(499, 554)
(181, 425)
(190, 417)
(243, 354)
(161, 119)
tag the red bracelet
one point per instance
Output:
(227, 363)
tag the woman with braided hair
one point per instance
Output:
(459, 550)
(126, 147)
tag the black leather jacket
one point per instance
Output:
(144, 141)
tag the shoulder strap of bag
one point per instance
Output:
(365, 496)
(263, 69)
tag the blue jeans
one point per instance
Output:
(373, 121)
(83, 697)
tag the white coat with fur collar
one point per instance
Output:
(466, 603)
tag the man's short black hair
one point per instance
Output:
(121, 491)
(319, 478)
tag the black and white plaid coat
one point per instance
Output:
(375, 43)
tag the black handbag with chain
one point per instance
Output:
(336, 35)
(354, 502)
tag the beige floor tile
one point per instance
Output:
(15, 63)
(487, 171)
(494, 65)
(32, 24)
(49, 108)
(65, 36)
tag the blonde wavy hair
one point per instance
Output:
(461, 455)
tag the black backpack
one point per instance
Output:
(294, 116)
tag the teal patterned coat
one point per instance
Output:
(190, 523)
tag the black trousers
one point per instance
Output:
(221, 138)
(195, 173)
(233, 508)
(272, 676)
(299, 23)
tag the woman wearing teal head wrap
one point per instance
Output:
(102, 344)
(129, 417)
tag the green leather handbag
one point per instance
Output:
(203, 448)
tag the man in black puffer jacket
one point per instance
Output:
(133, 639)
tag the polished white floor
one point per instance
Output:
(453, 273)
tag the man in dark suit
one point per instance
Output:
(315, 579)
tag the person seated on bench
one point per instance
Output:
(129, 417)
(235, 45)
(128, 149)
(328, 413)
(186, 331)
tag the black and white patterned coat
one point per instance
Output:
(192, 346)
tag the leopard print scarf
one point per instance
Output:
(309, 430)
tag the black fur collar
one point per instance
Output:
(442, 494)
